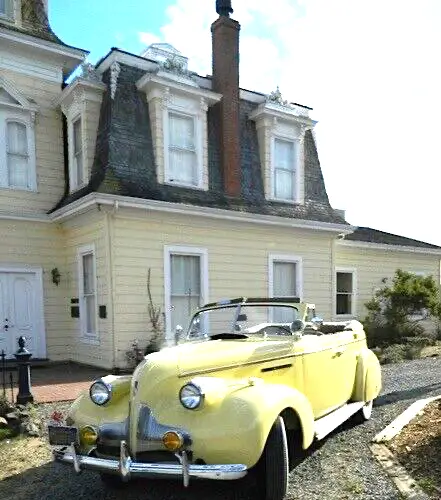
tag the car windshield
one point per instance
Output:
(255, 319)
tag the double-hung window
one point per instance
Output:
(77, 170)
(182, 154)
(345, 292)
(284, 170)
(17, 155)
(285, 280)
(87, 290)
(186, 285)
(17, 139)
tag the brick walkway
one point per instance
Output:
(61, 382)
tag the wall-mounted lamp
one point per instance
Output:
(56, 276)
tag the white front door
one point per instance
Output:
(19, 313)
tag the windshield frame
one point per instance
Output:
(238, 306)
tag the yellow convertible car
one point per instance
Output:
(254, 379)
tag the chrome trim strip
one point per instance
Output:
(261, 361)
(223, 472)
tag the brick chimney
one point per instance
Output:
(225, 36)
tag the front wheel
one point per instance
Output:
(274, 464)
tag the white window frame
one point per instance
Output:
(296, 143)
(16, 113)
(289, 259)
(170, 250)
(198, 141)
(73, 178)
(89, 338)
(346, 270)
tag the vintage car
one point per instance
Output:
(254, 380)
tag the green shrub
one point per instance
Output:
(394, 307)
(398, 352)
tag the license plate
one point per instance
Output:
(62, 435)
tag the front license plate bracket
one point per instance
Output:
(61, 435)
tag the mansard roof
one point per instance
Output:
(124, 161)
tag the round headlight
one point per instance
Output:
(100, 393)
(191, 396)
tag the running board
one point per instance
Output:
(325, 425)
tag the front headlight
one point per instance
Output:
(100, 393)
(191, 396)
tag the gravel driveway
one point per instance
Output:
(340, 467)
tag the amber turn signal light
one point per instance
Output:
(88, 436)
(173, 441)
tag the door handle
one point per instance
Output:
(339, 352)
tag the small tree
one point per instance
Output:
(396, 310)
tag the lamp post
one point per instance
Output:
(24, 374)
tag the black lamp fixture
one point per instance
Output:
(56, 276)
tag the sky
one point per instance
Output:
(369, 69)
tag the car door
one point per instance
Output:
(328, 370)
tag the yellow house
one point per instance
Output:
(139, 164)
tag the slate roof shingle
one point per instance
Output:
(369, 235)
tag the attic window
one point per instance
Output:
(183, 162)
(285, 170)
(77, 155)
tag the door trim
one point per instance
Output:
(40, 340)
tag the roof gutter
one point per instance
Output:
(95, 199)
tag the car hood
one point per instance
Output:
(211, 355)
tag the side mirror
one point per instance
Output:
(178, 333)
(297, 327)
(317, 322)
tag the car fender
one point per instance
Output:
(85, 412)
(257, 407)
(367, 384)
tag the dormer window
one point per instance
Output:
(183, 163)
(77, 170)
(281, 128)
(285, 170)
(80, 103)
(178, 114)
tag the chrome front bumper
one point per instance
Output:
(126, 468)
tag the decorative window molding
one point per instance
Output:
(345, 292)
(87, 290)
(173, 94)
(273, 285)
(201, 294)
(17, 139)
(279, 122)
(80, 101)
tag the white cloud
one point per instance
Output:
(149, 38)
(369, 69)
